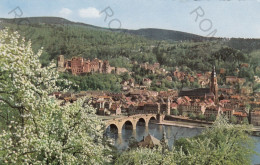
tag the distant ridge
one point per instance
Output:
(162, 34)
(44, 20)
(151, 33)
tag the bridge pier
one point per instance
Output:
(146, 131)
(119, 139)
(134, 134)
(160, 118)
(120, 127)
(134, 123)
(147, 122)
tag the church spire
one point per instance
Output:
(214, 85)
(213, 74)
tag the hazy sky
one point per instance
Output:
(234, 18)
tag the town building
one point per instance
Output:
(228, 113)
(144, 108)
(255, 118)
(151, 67)
(149, 142)
(235, 80)
(147, 82)
(240, 116)
(231, 79)
(115, 109)
(204, 93)
(188, 109)
(78, 65)
(212, 111)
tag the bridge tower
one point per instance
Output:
(160, 118)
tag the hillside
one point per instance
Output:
(151, 33)
(161, 34)
(122, 47)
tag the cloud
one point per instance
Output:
(90, 12)
(65, 11)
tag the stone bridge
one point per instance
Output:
(133, 120)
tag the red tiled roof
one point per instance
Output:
(173, 105)
(130, 103)
(212, 108)
(226, 109)
(141, 104)
(224, 101)
(231, 76)
(256, 112)
(197, 100)
(254, 102)
(105, 97)
(114, 106)
(187, 98)
(235, 97)
(128, 98)
(199, 74)
(240, 114)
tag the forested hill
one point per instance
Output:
(151, 33)
(45, 20)
(60, 36)
(162, 34)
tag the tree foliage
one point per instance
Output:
(224, 143)
(35, 129)
(96, 81)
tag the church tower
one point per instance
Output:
(61, 61)
(214, 85)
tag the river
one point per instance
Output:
(172, 132)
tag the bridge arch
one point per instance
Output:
(112, 128)
(131, 120)
(152, 118)
(141, 121)
(128, 123)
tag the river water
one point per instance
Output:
(172, 132)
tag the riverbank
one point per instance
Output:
(184, 124)
(255, 130)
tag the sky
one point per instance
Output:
(219, 18)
